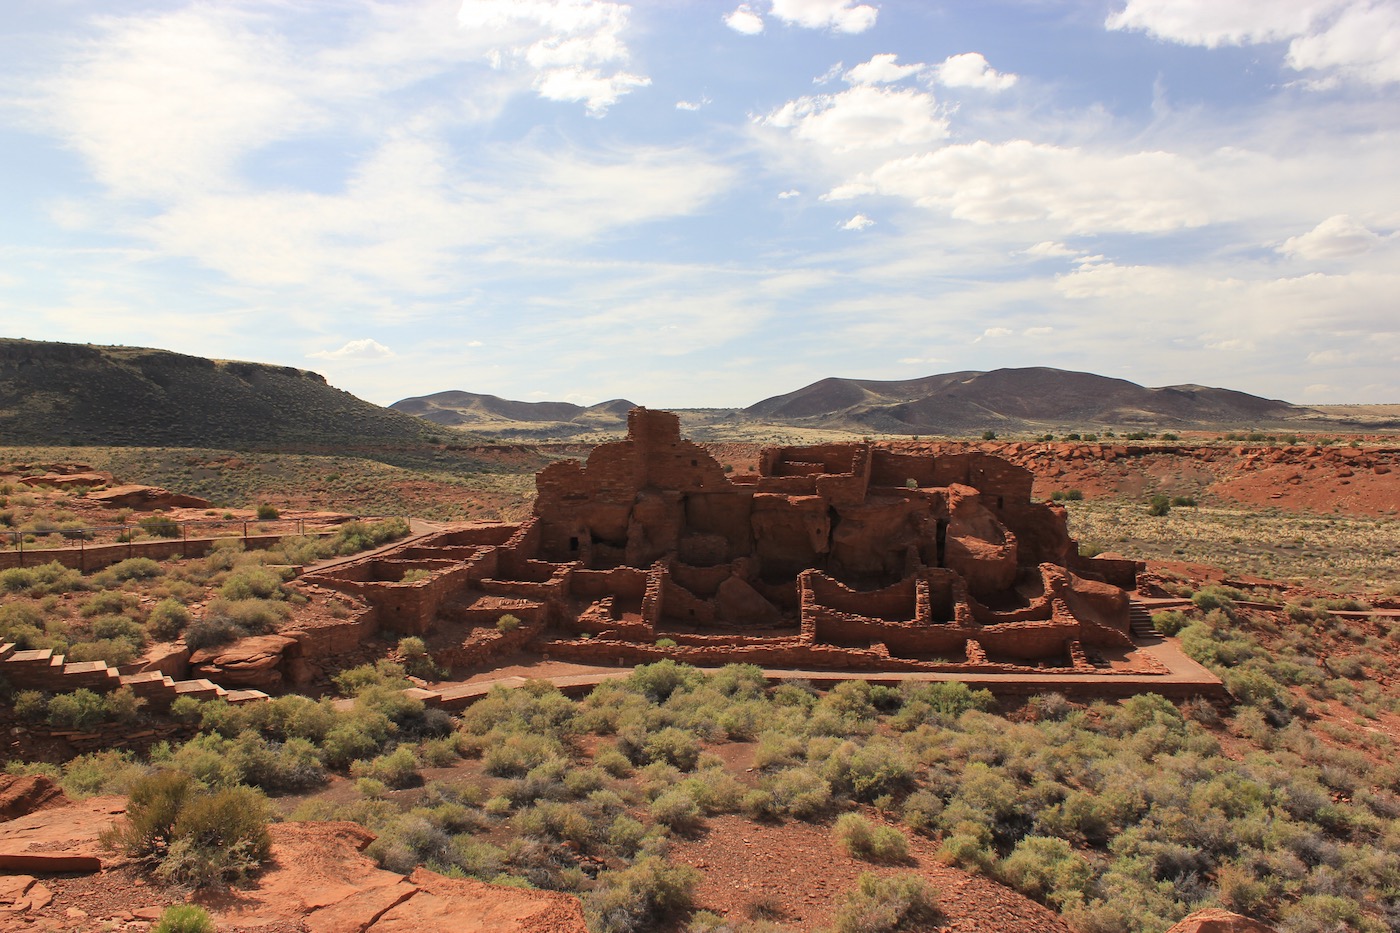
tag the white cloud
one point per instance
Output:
(1334, 238)
(858, 222)
(1049, 249)
(1021, 181)
(692, 105)
(1037, 331)
(863, 117)
(1354, 39)
(838, 15)
(744, 20)
(790, 193)
(882, 69)
(565, 42)
(365, 349)
(831, 74)
(970, 69)
(994, 333)
(475, 343)
(597, 91)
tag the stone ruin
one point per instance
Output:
(830, 557)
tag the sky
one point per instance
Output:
(702, 204)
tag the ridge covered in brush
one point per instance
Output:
(64, 393)
(1013, 399)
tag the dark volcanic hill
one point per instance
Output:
(468, 408)
(63, 393)
(1014, 399)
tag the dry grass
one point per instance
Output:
(1358, 553)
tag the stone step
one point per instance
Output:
(245, 696)
(199, 689)
(33, 657)
(7, 649)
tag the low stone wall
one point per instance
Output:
(88, 558)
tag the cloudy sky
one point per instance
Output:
(700, 204)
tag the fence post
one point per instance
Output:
(19, 539)
(82, 552)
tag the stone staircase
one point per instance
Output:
(1140, 622)
(41, 669)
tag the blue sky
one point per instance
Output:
(695, 204)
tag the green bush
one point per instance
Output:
(641, 897)
(152, 809)
(1047, 870)
(158, 526)
(253, 582)
(507, 623)
(677, 810)
(184, 918)
(888, 905)
(227, 620)
(399, 768)
(268, 512)
(1159, 505)
(134, 568)
(218, 837)
(168, 619)
(82, 710)
(1169, 621)
(869, 841)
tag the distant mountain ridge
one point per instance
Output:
(66, 394)
(1014, 399)
(457, 408)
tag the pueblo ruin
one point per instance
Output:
(830, 557)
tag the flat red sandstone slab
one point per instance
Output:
(64, 839)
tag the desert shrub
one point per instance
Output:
(158, 526)
(1169, 621)
(354, 680)
(43, 580)
(1217, 597)
(640, 897)
(218, 837)
(416, 575)
(677, 810)
(114, 651)
(1047, 870)
(122, 705)
(108, 602)
(31, 705)
(674, 746)
(507, 623)
(134, 568)
(82, 710)
(23, 625)
(1185, 501)
(1159, 505)
(268, 512)
(184, 918)
(152, 808)
(354, 537)
(227, 620)
(657, 682)
(253, 582)
(168, 619)
(276, 767)
(398, 768)
(888, 905)
(799, 792)
(869, 841)
(939, 703)
(515, 754)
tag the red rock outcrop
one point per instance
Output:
(1215, 920)
(146, 498)
(21, 795)
(248, 662)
